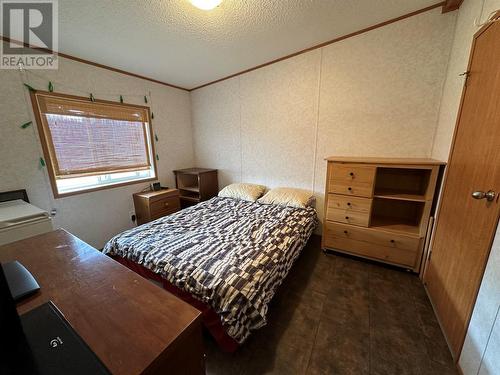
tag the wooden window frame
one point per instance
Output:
(44, 135)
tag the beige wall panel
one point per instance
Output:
(216, 119)
(380, 91)
(379, 95)
(457, 65)
(278, 122)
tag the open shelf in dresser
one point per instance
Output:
(409, 184)
(380, 208)
(402, 216)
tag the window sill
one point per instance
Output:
(98, 188)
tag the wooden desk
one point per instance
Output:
(132, 325)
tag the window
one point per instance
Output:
(93, 145)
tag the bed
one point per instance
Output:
(225, 256)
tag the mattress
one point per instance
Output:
(229, 254)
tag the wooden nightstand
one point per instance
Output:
(196, 185)
(152, 205)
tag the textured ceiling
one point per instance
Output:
(171, 41)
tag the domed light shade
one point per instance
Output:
(205, 4)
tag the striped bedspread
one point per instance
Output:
(228, 253)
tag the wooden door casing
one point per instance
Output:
(465, 227)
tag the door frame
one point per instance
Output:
(478, 33)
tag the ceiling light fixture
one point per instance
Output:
(206, 4)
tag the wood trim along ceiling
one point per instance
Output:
(451, 5)
(88, 62)
(448, 6)
(362, 31)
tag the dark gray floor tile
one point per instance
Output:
(295, 327)
(436, 345)
(220, 363)
(309, 298)
(283, 359)
(340, 350)
(347, 301)
(338, 315)
(397, 351)
(313, 277)
(434, 368)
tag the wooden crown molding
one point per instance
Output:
(88, 62)
(451, 5)
(448, 6)
(338, 39)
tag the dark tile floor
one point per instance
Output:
(338, 315)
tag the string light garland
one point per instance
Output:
(152, 117)
(29, 87)
(27, 125)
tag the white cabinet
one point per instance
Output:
(19, 220)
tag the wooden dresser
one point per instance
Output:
(380, 208)
(132, 325)
(152, 205)
(196, 185)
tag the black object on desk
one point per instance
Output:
(41, 341)
(56, 347)
(21, 282)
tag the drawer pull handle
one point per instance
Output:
(347, 217)
(166, 204)
(345, 232)
(349, 204)
(392, 241)
(349, 188)
(351, 174)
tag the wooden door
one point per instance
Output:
(466, 226)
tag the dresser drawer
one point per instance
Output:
(351, 179)
(164, 206)
(348, 217)
(336, 201)
(373, 251)
(351, 188)
(355, 173)
(397, 241)
(151, 205)
(367, 243)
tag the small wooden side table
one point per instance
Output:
(152, 205)
(196, 185)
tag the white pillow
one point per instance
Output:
(288, 197)
(247, 192)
